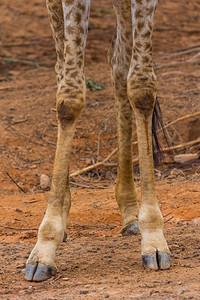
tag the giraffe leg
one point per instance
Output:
(119, 59)
(70, 102)
(142, 94)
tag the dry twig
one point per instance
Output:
(16, 228)
(93, 166)
(168, 219)
(20, 61)
(31, 201)
(26, 136)
(20, 121)
(135, 160)
(89, 186)
(47, 141)
(182, 50)
(182, 118)
(175, 63)
(101, 226)
(182, 146)
(16, 183)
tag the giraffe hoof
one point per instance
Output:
(65, 237)
(163, 260)
(39, 272)
(131, 229)
(156, 260)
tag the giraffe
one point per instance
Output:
(134, 83)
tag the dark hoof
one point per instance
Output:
(131, 229)
(156, 260)
(65, 237)
(39, 272)
(163, 260)
(30, 271)
(150, 261)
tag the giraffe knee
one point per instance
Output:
(141, 90)
(143, 100)
(142, 95)
(69, 108)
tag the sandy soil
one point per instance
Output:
(95, 262)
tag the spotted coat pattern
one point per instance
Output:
(134, 84)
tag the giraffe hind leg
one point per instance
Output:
(119, 60)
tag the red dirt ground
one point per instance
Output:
(95, 262)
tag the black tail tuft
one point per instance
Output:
(157, 125)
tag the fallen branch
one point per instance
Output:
(31, 201)
(181, 146)
(108, 226)
(182, 118)
(16, 183)
(93, 166)
(47, 141)
(135, 160)
(180, 51)
(167, 214)
(6, 88)
(20, 121)
(20, 61)
(168, 219)
(175, 63)
(89, 186)
(101, 163)
(26, 136)
(18, 45)
(16, 228)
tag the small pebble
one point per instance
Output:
(84, 291)
(45, 182)
(33, 167)
(196, 222)
(65, 278)
(180, 291)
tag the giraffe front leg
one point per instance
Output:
(69, 23)
(155, 252)
(41, 262)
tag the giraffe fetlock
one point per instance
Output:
(126, 197)
(41, 262)
(155, 252)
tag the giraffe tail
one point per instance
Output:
(158, 125)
